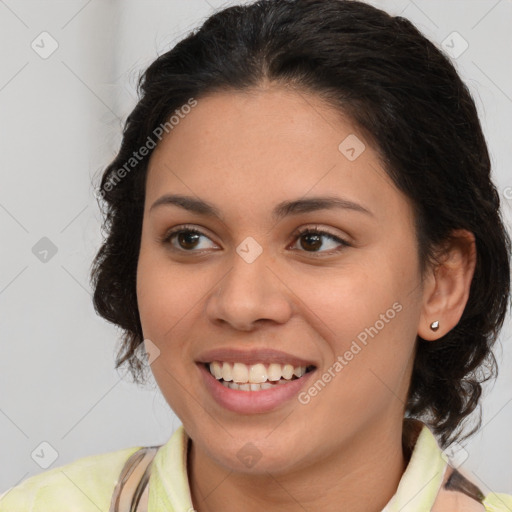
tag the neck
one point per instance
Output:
(362, 475)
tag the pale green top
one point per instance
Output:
(87, 484)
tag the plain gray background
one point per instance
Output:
(61, 122)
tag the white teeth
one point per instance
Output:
(226, 372)
(274, 371)
(288, 371)
(256, 374)
(251, 387)
(299, 371)
(240, 373)
(216, 370)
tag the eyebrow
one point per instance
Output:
(281, 210)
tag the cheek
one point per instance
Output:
(165, 295)
(367, 311)
(348, 299)
(166, 299)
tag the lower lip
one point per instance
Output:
(252, 402)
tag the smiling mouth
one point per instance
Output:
(255, 377)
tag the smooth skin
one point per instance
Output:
(245, 152)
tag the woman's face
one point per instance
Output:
(250, 290)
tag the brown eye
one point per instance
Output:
(312, 239)
(184, 239)
(187, 239)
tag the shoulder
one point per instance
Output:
(454, 489)
(459, 492)
(498, 502)
(84, 485)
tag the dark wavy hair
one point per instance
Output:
(407, 99)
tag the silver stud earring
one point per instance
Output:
(435, 325)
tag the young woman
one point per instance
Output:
(302, 232)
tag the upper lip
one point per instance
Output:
(262, 355)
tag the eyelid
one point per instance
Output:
(316, 229)
(165, 238)
(300, 231)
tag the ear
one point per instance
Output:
(446, 287)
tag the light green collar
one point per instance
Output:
(169, 487)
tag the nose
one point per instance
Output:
(250, 293)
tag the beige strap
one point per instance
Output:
(457, 493)
(131, 492)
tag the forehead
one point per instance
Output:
(263, 146)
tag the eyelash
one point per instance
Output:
(166, 239)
